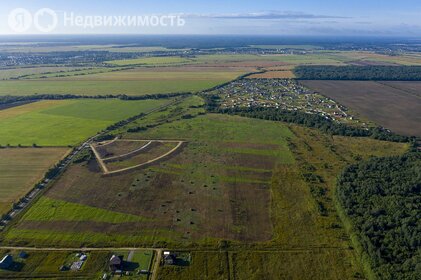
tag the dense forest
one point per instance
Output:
(311, 120)
(363, 73)
(382, 197)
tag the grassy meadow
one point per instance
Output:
(66, 122)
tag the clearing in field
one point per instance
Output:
(66, 122)
(21, 169)
(394, 105)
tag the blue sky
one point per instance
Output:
(269, 17)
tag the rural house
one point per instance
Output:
(116, 263)
(169, 258)
(6, 262)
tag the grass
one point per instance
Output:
(62, 123)
(192, 105)
(77, 72)
(255, 265)
(21, 169)
(206, 266)
(57, 210)
(221, 128)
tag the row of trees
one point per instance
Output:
(378, 73)
(382, 198)
(9, 100)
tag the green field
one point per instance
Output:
(57, 210)
(166, 60)
(113, 87)
(62, 123)
(77, 72)
(21, 169)
(163, 74)
(6, 74)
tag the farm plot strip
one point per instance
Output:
(149, 161)
(99, 159)
(127, 154)
(388, 106)
(106, 171)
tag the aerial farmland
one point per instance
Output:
(187, 160)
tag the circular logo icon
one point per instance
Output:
(20, 20)
(49, 18)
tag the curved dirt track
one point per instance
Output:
(105, 170)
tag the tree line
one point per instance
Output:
(363, 73)
(382, 198)
(9, 100)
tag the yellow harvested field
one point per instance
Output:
(286, 74)
(21, 169)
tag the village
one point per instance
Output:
(130, 264)
(284, 94)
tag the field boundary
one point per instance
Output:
(107, 172)
(132, 153)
